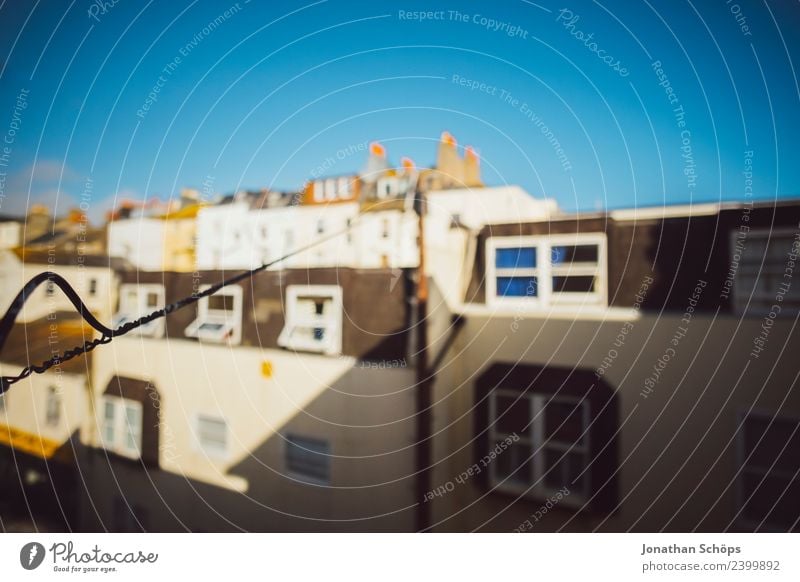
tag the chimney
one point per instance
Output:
(376, 163)
(448, 163)
(472, 168)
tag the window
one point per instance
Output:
(313, 319)
(318, 188)
(330, 189)
(93, 286)
(762, 275)
(344, 187)
(308, 459)
(552, 450)
(212, 435)
(547, 270)
(320, 226)
(219, 316)
(53, 408)
(385, 228)
(769, 480)
(136, 301)
(121, 430)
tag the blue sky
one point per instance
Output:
(262, 95)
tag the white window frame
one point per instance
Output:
(212, 452)
(330, 189)
(545, 270)
(742, 297)
(230, 322)
(318, 190)
(345, 191)
(120, 426)
(131, 312)
(332, 323)
(289, 441)
(535, 439)
(741, 454)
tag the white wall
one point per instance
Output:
(139, 240)
(477, 207)
(10, 234)
(14, 275)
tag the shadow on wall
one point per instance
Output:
(297, 478)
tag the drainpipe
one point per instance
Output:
(423, 396)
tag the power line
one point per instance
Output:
(109, 334)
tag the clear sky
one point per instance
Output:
(596, 104)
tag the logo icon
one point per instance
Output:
(31, 555)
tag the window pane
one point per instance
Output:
(781, 435)
(779, 492)
(212, 434)
(152, 299)
(133, 426)
(513, 415)
(220, 302)
(562, 469)
(563, 422)
(522, 258)
(568, 254)
(517, 287)
(514, 464)
(306, 457)
(580, 284)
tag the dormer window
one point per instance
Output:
(547, 270)
(136, 301)
(313, 319)
(219, 317)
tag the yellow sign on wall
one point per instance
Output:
(266, 369)
(26, 442)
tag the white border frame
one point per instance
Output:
(206, 315)
(536, 402)
(543, 272)
(334, 344)
(120, 426)
(154, 328)
(218, 455)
